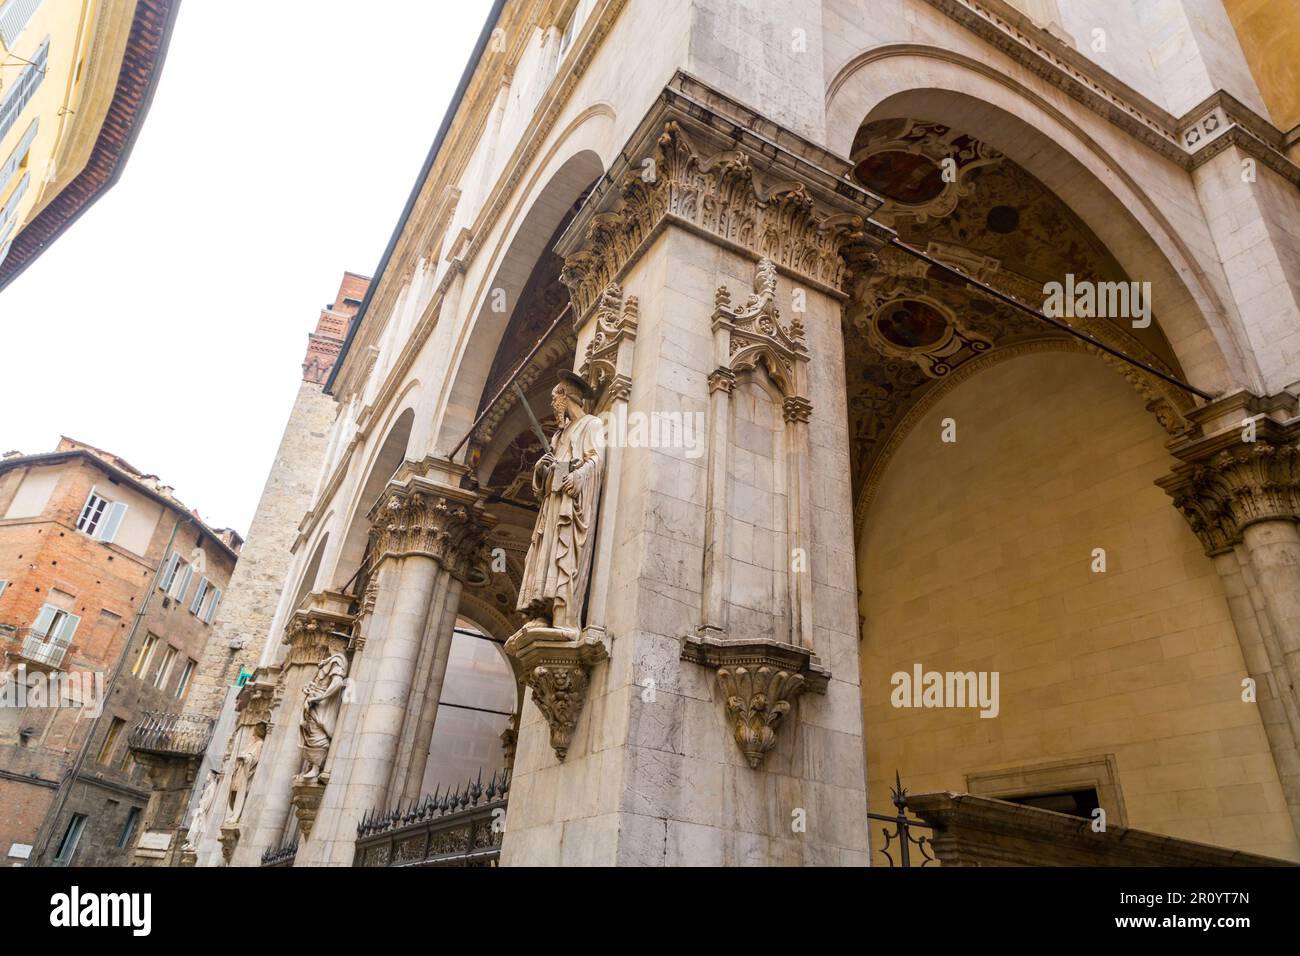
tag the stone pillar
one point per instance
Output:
(1238, 486)
(655, 769)
(427, 534)
(321, 628)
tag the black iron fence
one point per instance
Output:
(900, 839)
(458, 827)
(281, 855)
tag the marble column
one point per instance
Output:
(1238, 486)
(427, 533)
(323, 627)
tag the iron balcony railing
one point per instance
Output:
(41, 651)
(900, 839)
(458, 827)
(172, 735)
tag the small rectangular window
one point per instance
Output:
(92, 513)
(110, 740)
(168, 576)
(186, 674)
(182, 582)
(165, 668)
(71, 836)
(128, 831)
(141, 665)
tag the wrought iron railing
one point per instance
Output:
(458, 827)
(40, 651)
(900, 838)
(282, 855)
(172, 735)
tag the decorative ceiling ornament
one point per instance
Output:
(920, 169)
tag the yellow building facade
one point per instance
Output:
(75, 80)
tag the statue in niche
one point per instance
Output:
(566, 480)
(245, 766)
(320, 711)
(200, 821)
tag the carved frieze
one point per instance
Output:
(721, 195)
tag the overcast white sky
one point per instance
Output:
(168, 324)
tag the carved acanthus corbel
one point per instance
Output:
(759, 682)
(615, 324)
(557, 669)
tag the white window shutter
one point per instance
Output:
(69, 628)
(112, 521)
(169, 571)
(199, 595)
(212, 608)
(42, 623)
(184, 584)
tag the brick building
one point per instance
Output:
(244, 624)
(109, 587)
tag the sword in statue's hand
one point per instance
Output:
(537, 426)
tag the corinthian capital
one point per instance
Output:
(1235, 478)
(418, 518)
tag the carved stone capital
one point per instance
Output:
(306, 802)
(421, 518)
(314, 633)
(722, 379)
(759, 682)
(257, 701)
(616, 319)
(796, 409)
(1225, 492)
(556, 664)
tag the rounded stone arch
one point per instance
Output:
(934, 85)
(573, 164)
(307, 580)
(943, 389)
(388, 456)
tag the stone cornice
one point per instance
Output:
(1190, 140)
(705, 162)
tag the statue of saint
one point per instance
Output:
(567, 482)
(245, 766)
(320, 710)
(200, 820)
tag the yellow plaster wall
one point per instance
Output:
(976, 556)
(1269, 33)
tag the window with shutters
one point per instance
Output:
(51, 634)
(200, 593)
(145, 656)
(3, 585)
(175, 580)
(14, 15)
(129, 828)
(21, 91)
(101, 518)
(209, 612)
(165, 668)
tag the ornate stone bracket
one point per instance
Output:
(606, 363)
(759, 682)
(306, 801)
(556, 663)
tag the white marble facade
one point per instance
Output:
(654, 775)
